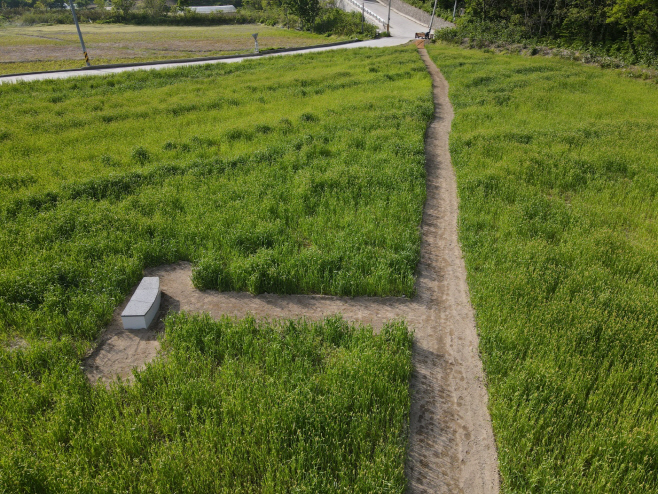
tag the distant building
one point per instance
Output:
(226, 9)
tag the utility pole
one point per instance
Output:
(429, 30)
(454, 11)
(388, 22)
(77, 26)
(363, 18)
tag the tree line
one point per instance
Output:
(617, 24)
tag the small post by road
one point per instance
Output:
(454, 11)
(256, 41)
(388, 22)
(363, 18)
(77, 26)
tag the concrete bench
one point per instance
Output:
(143, 305)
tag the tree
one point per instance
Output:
(155, 8)
(306, 10)
(123, 7)
(640, 20)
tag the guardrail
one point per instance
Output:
(362, 7)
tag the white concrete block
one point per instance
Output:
(143, 305)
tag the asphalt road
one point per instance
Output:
(403, 29)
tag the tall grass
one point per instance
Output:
(558, 183)
(301, 174)
(236, 406)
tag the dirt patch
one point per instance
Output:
(119, 351)
(451, 443)
(16, 344)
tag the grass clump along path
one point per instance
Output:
(558, 183)
(237, 406)
(299, 174)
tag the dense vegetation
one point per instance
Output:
(626, 29)
(558, 183)
(300, 174)
(236, 406)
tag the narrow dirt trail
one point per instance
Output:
(451, 443)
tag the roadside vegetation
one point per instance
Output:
(305, 15)
(236, 406)
(558, 184)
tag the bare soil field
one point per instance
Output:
(451, 443)
(33, 48)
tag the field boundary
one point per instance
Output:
(182, 60)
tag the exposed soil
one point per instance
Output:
(136, 49)
(451, 443)
(127, 47)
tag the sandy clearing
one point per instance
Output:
(451, 443)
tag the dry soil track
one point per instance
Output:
(451, 444)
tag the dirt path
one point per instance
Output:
(451, 444)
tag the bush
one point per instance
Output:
(140, 155)
(155, 8)
(339, 22)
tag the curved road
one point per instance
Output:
(403, 29)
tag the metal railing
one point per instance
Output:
(361, 6)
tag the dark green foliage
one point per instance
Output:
(235, 406)
(625, 29)
(306, 10)
(558, 184)
(140, 155)
(339, 22)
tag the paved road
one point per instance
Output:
(402, 27)
(402, 30)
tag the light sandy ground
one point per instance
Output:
(451, 444)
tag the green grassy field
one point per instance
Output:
(303, 174)
(558, 181)
(298, 174)
(237, 406)
(44, 47)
